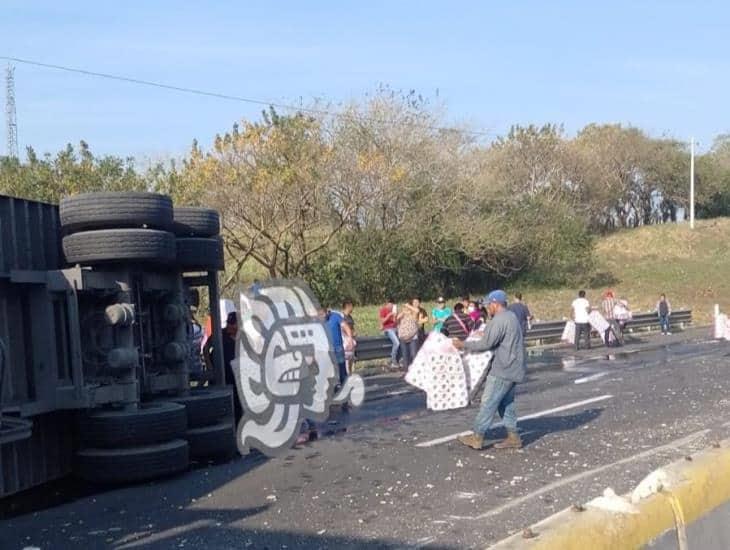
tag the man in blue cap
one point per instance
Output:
(503, 336)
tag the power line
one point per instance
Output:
(229, 97)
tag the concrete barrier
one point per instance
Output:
(683, 505)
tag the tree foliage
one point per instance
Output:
(274, 182)
(70, 171)
(390, 198)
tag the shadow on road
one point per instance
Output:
(536, 428)
(209, 533)
(70, 489)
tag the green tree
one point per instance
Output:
(713, 179)
(70, 171)
(274, 185)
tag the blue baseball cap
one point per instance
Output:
(498, 296)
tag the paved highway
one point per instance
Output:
(390, 475)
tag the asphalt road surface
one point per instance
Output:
(390, 475)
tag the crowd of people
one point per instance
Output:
(406, 327)
(617, 313)
(491, 324)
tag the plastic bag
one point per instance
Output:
(439, 370)
(568, 333)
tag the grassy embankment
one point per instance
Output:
(692, 267)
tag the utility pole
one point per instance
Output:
(11, 120)
(692, 183)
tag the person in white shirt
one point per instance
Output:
(581, 311)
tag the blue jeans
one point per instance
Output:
(393, 337)
(664, 322)
(341, 364)
(410, 349)
(498, 396)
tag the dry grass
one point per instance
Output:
(691, 266)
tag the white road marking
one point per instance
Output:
(672, 445)
(447, 438)
(590, 378)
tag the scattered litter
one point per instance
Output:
(655, 482)
(611, 502)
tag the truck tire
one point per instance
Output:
(198, 253)
(119, 245)
(115, 210)
(155, 422)
(216, 441)
(207, 406)
(190, 221)
(108, 466)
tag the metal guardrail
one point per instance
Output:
(378, 347)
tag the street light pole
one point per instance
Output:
(692, 183)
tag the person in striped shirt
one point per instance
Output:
(458, 324)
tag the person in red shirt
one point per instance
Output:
(388, 323)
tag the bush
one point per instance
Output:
(549, 245)
(369, 266)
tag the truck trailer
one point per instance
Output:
(100, 369)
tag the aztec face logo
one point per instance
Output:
(285, 367)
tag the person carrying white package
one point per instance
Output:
(622, 314)
(581, 316)
(503, 336)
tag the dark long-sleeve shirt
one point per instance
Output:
(503, 336)
(457, 325)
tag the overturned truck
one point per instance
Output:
(97, 341)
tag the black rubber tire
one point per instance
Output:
(115, 210)
(207, 406)
(155, 422)
(198, 253)
(191, 221)
(216, 441)
(110, 466)
(119, 245)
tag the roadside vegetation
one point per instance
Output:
(390, 199)
(690, 266)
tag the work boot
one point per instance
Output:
(512, 441)
(475, 441)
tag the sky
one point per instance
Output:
(663, 66)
